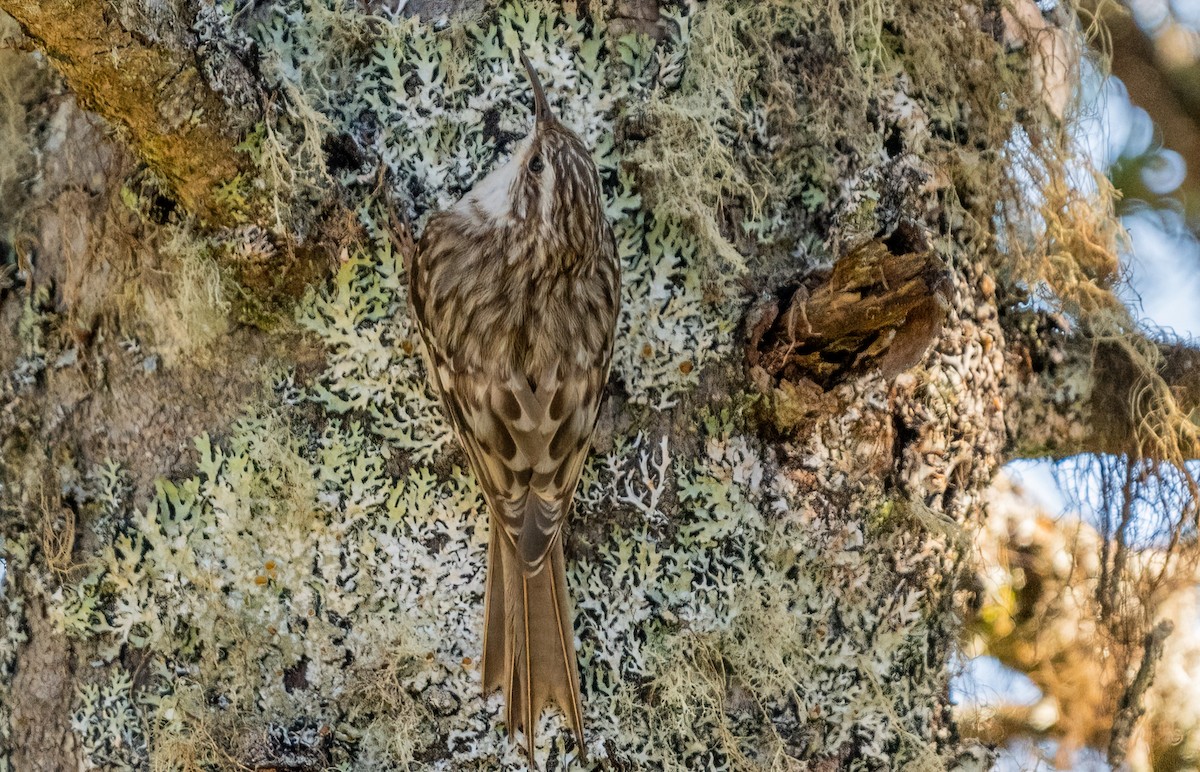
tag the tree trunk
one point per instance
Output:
(237, 530)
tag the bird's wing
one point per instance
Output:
(527, 443)
(526, 436)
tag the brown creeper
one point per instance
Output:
(515, 291)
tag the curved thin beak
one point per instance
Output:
(541, 108)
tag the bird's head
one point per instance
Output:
(549, 186)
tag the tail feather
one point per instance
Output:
(529, 646)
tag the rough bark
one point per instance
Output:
(881, 306)
(183, 98)
(45, 678)
(142, 71)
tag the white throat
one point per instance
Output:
(492, 197)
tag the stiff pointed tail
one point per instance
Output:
(528, 643)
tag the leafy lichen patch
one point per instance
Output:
(292, 580)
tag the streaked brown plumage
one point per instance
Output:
(515, 290)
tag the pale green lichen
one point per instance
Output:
(31, 332)
(251, 568)
(744, 593)
(291, 558)
(374, 364)
(108, 725)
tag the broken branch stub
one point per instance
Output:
(881, 306)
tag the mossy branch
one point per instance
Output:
(153, 90)
(1073, 393)
(1131, 707)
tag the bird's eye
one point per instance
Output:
(535, 164)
